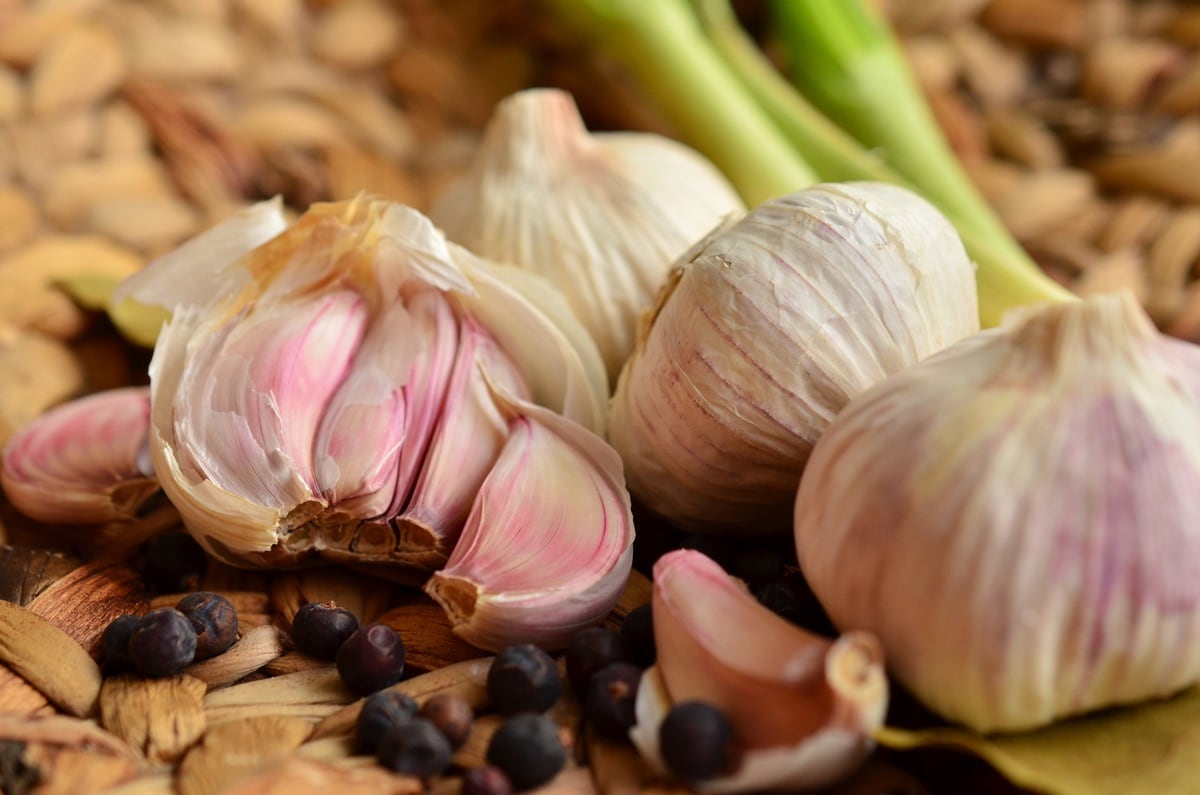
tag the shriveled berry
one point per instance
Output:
(591, 649)
(523, 678)
(528, 749)
(611, 695)
(485, 780)
(695, 741)
(215, 620)
(637, 636)
(452, 716)
(371, 659)
(382, 712)
(163, 643)
(415, 748)
(174, 562)
(114, 642)
(320, 628)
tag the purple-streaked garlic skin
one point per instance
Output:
(83, 462)
(766, 329)
(1015, 518)
(802, 707)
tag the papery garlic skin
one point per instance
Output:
(83, 462)
(766, 330)
(802, 707)
(602, 216)
(1015, 518)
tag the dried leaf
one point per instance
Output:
(84, 601)
(49, 660)
(1151, 749)
(162, 718)
(311, 777)
(234, 749)
(80, 67)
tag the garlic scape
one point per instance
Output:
(765, 330)
(349, 387)
(802, 707)
(600, 215)
(1016, 518)
(83, 462)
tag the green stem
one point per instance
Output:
(661, 43)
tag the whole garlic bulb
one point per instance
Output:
(1016, 518)
(766, 330)
(601, 216)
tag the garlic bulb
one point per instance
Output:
(802, 707)
(1015, 518)
(766, 330)
(354, 387)
(602, 216)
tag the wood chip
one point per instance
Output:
(636, 593)
(122, 131)
(467, 679)
(12, 95)
(287, 121)
(1174, 251)
(932, 60)
(43, 146)
(1168, 174)
(24, 36)
(161, 718)
(473, 752)
(1119, 73)
(151, 224)
(352, 169)
(319, 686)
(74, 189)
(70, 756)
(293, 662)
(49, 660)
(616, 767)
(328, 749)
(1117, 271)
(1044, 201)
(1019, 135)
(429, 640)
(357, 34)
(154, 784)
(995, 73)
(18, 697)
(39, 371)
(27, 571)
(183, 50)
(311, 714)
(84, 601)
(1039, 23)
(21, 217)
(235, 749)
(962, 126)
(1135, 220)
(80, 67)
(1180, 96)
(366, 598)
(255, 649)
(296, 776)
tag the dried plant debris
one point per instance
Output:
(234, 749)
(161, 718)
(66, 755)
(49, 659)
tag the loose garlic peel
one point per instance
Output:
(1015, 517)
(765, 330)
(802, 707)
(83, 462)
(602, 216)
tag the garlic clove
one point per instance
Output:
(548, 545)
(601, 216)
(83, 462)
(762, 334)
(1015, 517)
(802, 707)
(470, 434)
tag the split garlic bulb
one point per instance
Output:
(602, 216)
(766, 330)
(1016, 518)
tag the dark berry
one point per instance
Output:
(163, 643)
(320, 628)
(637, 636)
(528, 749)
(485, 780)
(695, 741)
(523, 678)
(174, 562)
(114, 642)
(611, 695)
(371, 659)
(791, 598)
(215, 620)
(591, 649)
(382, 712)
(758, 565)
(415, 748)
(452, 716)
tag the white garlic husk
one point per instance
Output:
(600, 215)
(802, 708)
(1016, 518)
(766, 330)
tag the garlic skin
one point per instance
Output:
(83, 462)
(341, 395)
(802, 707)
(600, 215)
(765, 330)
(1015, 518)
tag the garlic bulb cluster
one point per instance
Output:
(354, 387)
(766, 330)
(602, 216)
(1016, 518)
(802, 707)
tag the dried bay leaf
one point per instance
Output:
(49, 659)
(162, 718)
(1149, 749)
